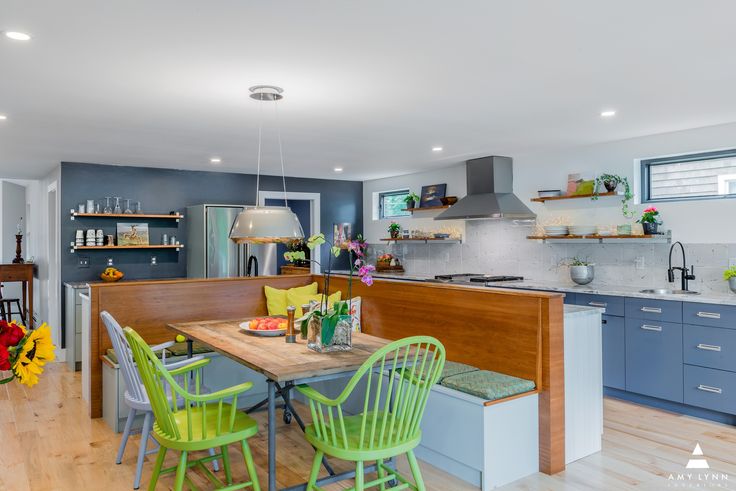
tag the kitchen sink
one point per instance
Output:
(667, 291)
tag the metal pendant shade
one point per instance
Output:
(266, 224)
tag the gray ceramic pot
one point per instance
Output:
(582, 275)
(732, 284)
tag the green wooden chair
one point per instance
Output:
(201, 422)
(397, 380)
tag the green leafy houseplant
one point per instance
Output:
(394, 229)
(411, 200)
(610, 182)
(576, 261)
(729, 273)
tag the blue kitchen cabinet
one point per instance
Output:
(654, 365)
(614, 352)
(711, 389)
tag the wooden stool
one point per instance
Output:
(6, 308)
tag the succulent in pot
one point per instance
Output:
(581, 272)
(730, 276)
(411, 201)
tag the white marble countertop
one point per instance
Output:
(581, 310)
(393, 276)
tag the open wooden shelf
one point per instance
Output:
(429, 239)
(176, 217)
(427, 208)
(593, 238)
(117, 248)
(572, 196)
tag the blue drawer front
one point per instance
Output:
(704, 314)
(570, 298)
(711, 389)
(654, 359)
(711, 347)
(613, 305)
(659, 310)
(614, 352)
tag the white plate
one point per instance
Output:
(245, 326)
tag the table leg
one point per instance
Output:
(271, 435)
(29, 322)
(190, 348)
(30, 303)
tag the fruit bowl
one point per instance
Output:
(112, 279)
(448, 200)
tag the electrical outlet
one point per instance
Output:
(110, 262)
(153, 261)
(639, 262)
(732, 262)
(83, 262)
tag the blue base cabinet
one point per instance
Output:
(654, 358)
(614, 352)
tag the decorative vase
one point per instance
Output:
(732, 284)
(318, 332)
(650, 228)
(582, 275)
(610, 186)
(394, 234)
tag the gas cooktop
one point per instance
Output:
(474, 278)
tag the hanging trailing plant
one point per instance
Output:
(611, 182)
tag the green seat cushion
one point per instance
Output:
(180, 349)
(455, 368)
(488, 385)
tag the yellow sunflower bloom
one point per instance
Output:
(36, 351)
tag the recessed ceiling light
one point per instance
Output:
(608, 113)
(3, 117)
(17, 36)
(338, 169)
(437, 149)
(215, 160)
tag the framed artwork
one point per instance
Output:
(431, 195)
(131, 234)
(341, 233)
(579, 183)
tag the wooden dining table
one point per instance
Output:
(284, 365)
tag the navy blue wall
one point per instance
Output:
(164, 190)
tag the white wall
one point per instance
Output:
(12, 209)
(374, 230)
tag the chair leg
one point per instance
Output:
(359, 476)
(415, 471)
(381, 473)
(157, 468)
(226, 464)
(181, 472)
(147, 424)
(316, 464)
(126, 434)
(250, 466)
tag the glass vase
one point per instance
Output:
(341, 339)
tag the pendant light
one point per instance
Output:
(267, 224)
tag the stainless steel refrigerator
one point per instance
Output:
(211, 253)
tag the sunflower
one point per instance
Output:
(36, 351)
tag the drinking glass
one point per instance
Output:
(98, 207)
(127, 211)
(117, 210)
(138, 208)
(107, 210)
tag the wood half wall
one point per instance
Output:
(515, 332)
(149, 306)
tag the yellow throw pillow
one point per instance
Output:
(276, 299)
(297, 300)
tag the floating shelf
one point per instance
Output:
(427, 208)
(605, 239)
(177, 217)
(427, 240)
(118, 248)
(572, 196)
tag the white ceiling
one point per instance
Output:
(370, 86)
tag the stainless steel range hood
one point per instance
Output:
(490, 193)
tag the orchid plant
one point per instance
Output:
(356, 254)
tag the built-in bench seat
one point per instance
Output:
(481, 426)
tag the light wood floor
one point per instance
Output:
(47, 442)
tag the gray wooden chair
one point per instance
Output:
(135, 394)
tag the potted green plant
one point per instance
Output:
(411, 201)
(611, 182)
(730, 276)
(649, 221)
(581, 272)
(394, 229)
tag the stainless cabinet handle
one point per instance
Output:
(653, 310)
(647, 327)
(708, 347)
(709, 315)
(598, 304)
(708, 388)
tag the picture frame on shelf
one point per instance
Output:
(341, 233)
(132, 234)
(431, 195)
